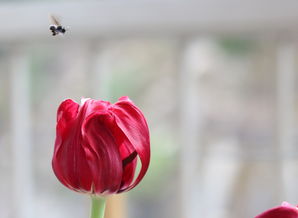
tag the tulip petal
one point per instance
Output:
(127, 153)
(102, 153)
(67, 113)
(134, 126)
(68, 162)
(129, 168)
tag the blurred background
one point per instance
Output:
(216, 80)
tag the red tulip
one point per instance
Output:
(98, 145)
(284, 211)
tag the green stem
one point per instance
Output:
(97, 207)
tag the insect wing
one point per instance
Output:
(54, 20)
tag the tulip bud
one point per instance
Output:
(98, 146)
(284, 211)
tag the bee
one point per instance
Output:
(56, 27)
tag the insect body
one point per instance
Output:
(57, 30)
(56, 27)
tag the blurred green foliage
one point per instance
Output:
(237, 46)
(163, 165)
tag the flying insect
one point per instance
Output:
(56, 27)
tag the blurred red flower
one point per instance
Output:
(98, 145)
(286, 210)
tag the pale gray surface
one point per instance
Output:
(142, 18)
